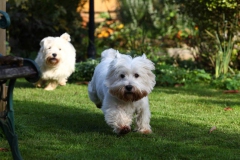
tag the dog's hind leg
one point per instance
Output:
(51, 85)
(62, 82)
(99, 105)
(143, 121)
(93, 96)
(39, 83)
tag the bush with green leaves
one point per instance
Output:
(169, 75)
(84, 70)
(227, 81)
(217, 16)
(146, 29)
(208, 14)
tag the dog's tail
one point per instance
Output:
(109, 54)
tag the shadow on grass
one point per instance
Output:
(56, 117)
(205, 95)
(67, 132)
(201, 91)
(172, 139)
(183, 140)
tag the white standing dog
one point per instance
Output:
(120, 87)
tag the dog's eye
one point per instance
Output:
(122, 75)
(60, 49)
(49, 48)
(136, 75)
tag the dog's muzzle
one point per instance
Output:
(128, 93)
(52, 60)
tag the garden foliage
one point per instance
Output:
(143, 26)
(33, 20)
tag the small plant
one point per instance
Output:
(225, 45)
(198, 76)
(223, 56)
(228, 82)
(84, 70)
(168, 75)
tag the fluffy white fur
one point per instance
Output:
(56, 59)
(120, 87)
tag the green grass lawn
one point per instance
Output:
(65, 124)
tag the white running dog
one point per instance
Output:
(120, 87)
(56, 59)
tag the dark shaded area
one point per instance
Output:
(34, 20)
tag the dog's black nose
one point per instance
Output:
(54, 55)
(129, 87)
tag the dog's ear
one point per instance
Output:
(117, 55)
(144, 56)
(148, 62)
(45, 40)
(42, 42)
(66, 36)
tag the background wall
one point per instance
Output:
(2, 31)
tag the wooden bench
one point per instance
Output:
(11, 68)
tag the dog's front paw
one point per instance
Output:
(124, 130)
(38, 85)
(145, 131)
(63, 83)
(51, 86)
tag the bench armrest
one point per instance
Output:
(4, 20)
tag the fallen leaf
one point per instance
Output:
(231, 91)
(212, 129)
(228, 109)
(82, 82)
(4, 150)
(179, 85)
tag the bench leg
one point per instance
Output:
(7, 123)
(11, 137)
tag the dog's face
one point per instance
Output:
(130, 79)
(52, 49)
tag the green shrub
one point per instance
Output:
(228, 82)
(169, 75)
(84, 70)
